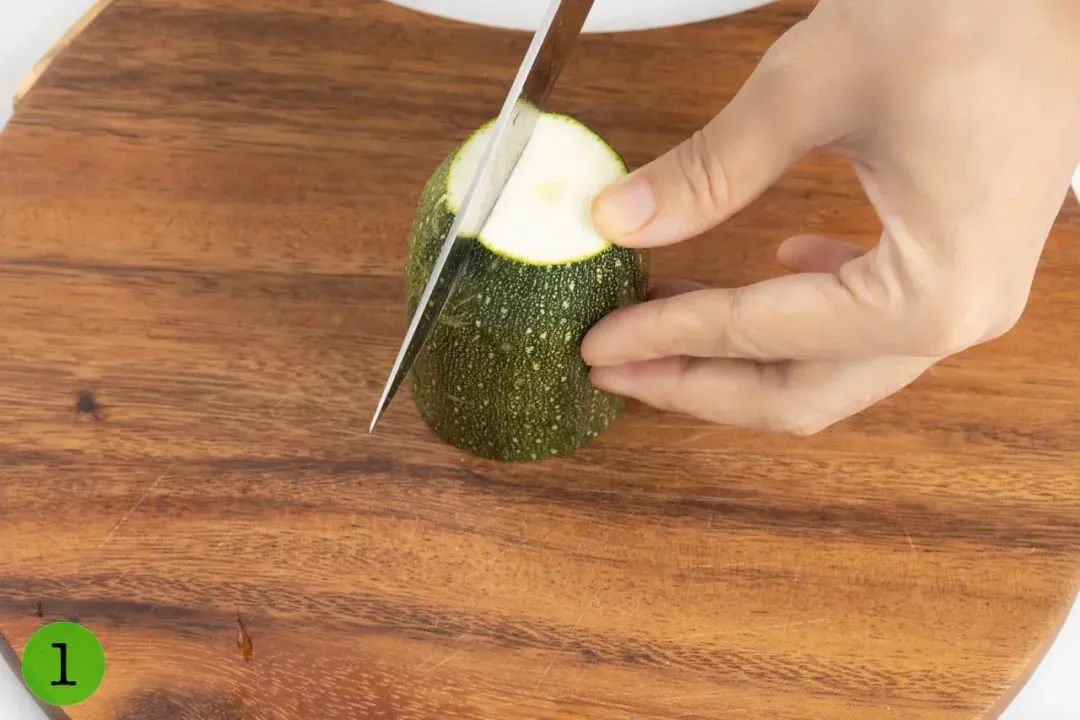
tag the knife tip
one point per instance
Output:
(378, 414)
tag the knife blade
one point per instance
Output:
(535, 79)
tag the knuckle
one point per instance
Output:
(703, 172)
(792, 48)
(1006, 320)
(777, 416)
(782, 68)
(941, 336)
(736, 337)
(800, 425)
(682, 390)
(675, 391)
(950, 320)
(681, 326)
(805, 427)
(663, 339)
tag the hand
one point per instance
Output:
(962, 119)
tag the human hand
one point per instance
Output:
(962, 120)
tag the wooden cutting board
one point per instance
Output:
(203, 211)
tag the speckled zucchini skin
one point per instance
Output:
(501, 375)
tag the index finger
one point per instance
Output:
(856, 313)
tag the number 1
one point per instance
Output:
(62, 647)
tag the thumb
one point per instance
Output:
(791, 104)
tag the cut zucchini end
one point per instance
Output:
(544, 215)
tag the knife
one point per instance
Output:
(523, 106)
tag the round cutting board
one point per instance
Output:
(204, 207)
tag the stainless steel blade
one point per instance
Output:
(514, 126)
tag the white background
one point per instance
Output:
(29, 27)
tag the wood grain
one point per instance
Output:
(204, 206)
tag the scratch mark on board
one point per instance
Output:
(911, 545)
(756, 628)
(684, 698)
(135, 507)
(451, 643)
(791, 602)
(695, 438)
(442, 662)
(562, 645)
(280, 402)
(573, 688)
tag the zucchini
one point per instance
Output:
(501, 375)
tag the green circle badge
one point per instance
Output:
(63, 663)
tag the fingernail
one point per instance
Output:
(610, 379)
(624, 208)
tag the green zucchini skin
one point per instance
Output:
(501, 375)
